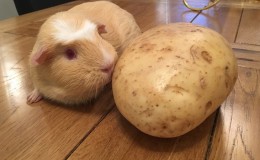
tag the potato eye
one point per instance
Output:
(70, 54)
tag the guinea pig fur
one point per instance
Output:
(76, 50)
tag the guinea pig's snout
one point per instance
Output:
(108, 68)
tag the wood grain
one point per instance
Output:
(249, 27)
(149, 14)
(223, 20)
(247, 59)
(233, 139)
(115, 138)
(44, 130)
(237, 133)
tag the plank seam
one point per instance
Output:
(211, 136)
(240, 19)
(88, 133)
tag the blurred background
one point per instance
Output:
(11, 8)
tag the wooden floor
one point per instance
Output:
(97, 131)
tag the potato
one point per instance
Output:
(172, 77)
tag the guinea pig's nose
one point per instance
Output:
(108, 68)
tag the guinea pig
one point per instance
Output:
(75, 52)
(120, 25)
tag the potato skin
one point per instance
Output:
(172, 77)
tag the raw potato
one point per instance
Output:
(172, 77)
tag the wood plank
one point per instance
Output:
(42, 130)
(247, 47)
(248, 4)
(221, 19)
(248, 32)
(45, 131)
(149, 14)
(247, 58)
(115, 138)
(237, 133)
(14, 58)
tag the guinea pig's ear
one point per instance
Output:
(40, 56)
(101, 28)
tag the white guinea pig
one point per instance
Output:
(76, 50)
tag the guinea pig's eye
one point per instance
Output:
(70, 54)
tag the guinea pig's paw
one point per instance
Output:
(34, 97)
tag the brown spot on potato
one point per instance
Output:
(164, 126)
(147, 47)
(176, 88)
(194, 53)
(134, 93)
(148, 112)
(179, 57)
(188, 124)
(173, 118)
(166, 49)
(203, 84)
(121, 67)
(198, 96)
(196, 30)
(169, 48)
(226, 83)
(226, 68)
(159, 59)
(198, 52)
(227, 77)
(208, 105)
(206, 56)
